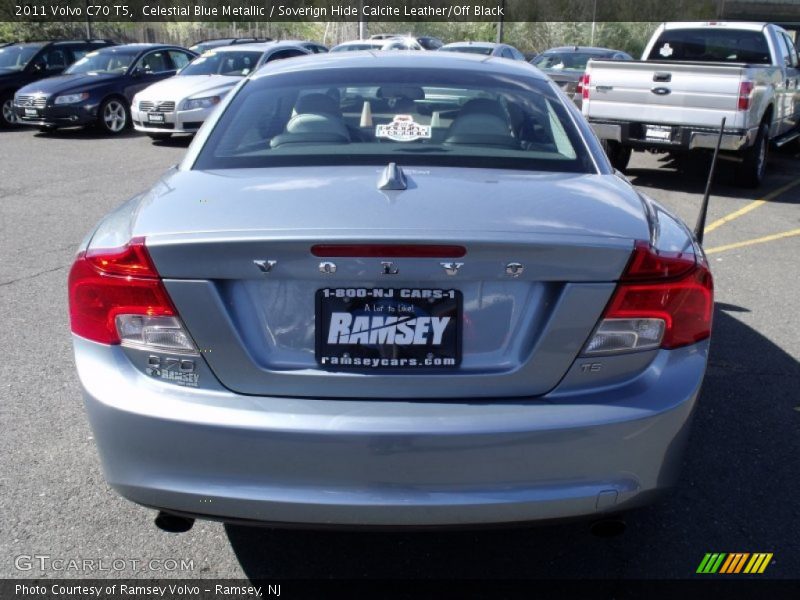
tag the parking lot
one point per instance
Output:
(739, 487)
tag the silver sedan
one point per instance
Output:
(395, 290)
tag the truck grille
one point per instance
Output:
(148, 106)
(33, 101)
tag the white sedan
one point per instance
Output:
(182, 103)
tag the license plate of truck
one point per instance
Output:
(658, 133)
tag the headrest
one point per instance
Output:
(318, 104)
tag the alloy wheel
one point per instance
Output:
(114, 116)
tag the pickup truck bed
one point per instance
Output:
(678, 105)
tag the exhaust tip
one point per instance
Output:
(173, 523)
(608, 528)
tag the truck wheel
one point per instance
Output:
(754, 160)
(618, 155)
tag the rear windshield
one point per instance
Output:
(712, 45)
(409, 116)
(356, 47)
(239, 62)
(486, 50)
(564, 61)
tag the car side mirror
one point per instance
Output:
(137, 72)
(39, 66)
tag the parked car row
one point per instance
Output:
(673, 100)
(24, 63)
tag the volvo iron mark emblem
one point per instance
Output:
(388, 268)
(452, 268)
(265, 265)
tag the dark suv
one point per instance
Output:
(26, 62)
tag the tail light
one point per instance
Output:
(582, 87)
(663, 300)
(745, 89)
(117, 297)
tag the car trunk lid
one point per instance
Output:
(541, 253)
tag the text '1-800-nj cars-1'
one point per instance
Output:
(391, 290)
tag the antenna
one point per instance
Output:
(699, 229)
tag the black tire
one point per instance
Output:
(159, 137)
(8, 117)
(618, 155)
(753, 167)
(114, 116)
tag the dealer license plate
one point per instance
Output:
(31, 112)
(155, 117)
(658, 133)
(388, 328)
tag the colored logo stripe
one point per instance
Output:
(721, 562)
(758, 563)
(735, 562)
(711, 563)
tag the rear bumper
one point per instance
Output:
(682, 137)
(388, 462)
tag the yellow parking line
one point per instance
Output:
(752, 206)
(761, 240)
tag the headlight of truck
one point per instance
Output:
(206, 102)
(71, 98)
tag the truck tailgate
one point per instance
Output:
(694, 94)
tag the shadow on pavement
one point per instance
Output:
(738, 493)
(688, 173)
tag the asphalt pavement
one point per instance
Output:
(739, 488)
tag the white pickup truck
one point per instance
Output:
(691, 76)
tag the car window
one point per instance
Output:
(179, 59)
(430, 43)
(281, 54)
(78, 52)
(154, 62)
(17, 57)
(486, 50)
(506, 53)
(54, 59)
(413, 116)
(110, 61)
(355, 47)
(214, 62)
(711, 45)
(563, 61)
(788, 51)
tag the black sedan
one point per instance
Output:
(97, 90)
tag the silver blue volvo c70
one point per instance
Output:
(391, 290)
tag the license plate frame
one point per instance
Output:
(156, 117)
(414, 310)
(31, 112)
(658, 133)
